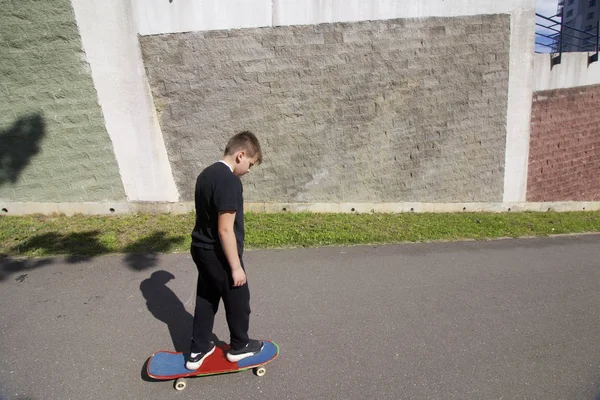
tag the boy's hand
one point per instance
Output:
(239, 277)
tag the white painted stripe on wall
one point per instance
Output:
(573, 71)
(520, 97)
(164, 16)
(110, 43)
(295, 12)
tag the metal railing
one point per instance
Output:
(564, 38)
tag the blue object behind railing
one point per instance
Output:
(553, 34)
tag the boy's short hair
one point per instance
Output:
(245, 141)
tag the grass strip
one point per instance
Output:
(35, 236)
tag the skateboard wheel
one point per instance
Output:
(260, 371)
(180, 384)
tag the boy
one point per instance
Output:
(217, 247)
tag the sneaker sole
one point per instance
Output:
(194, 368)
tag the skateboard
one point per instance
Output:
(168, 365)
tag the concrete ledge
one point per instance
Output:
(419, 207)
(573, 71)
(15, 208)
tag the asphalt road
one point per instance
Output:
(507, 319)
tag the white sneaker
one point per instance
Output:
(196, 359)
(252, 347)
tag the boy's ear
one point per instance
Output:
(239, 155)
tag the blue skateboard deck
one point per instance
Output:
(168, 365)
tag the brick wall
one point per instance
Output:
(564, 155)
(379, 111)
(53, 143)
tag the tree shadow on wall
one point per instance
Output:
(83, 246)
(18, 144)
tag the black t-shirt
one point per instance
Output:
(217, 189)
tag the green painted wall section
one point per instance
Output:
(54, 146)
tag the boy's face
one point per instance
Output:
(243, 163)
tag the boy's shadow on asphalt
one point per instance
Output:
(165, 306)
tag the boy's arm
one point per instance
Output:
(227, 237)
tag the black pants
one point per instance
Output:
(215, 283)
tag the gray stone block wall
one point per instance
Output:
(53, 142)
(379, 111)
